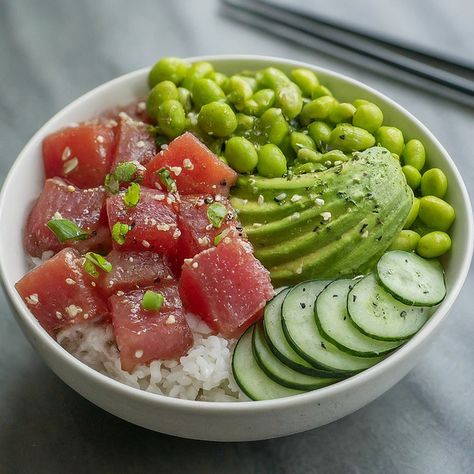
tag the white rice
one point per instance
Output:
(204, 373)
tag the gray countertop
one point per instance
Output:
(52, 52)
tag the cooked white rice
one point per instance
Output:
(205, 373)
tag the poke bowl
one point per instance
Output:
(348, 187)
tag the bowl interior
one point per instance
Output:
(25, 179)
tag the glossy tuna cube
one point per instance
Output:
(226, 286)
(193, 166)
(60, 292)
(84, 207)
(81, 154)
(142, 335)
(152, 223)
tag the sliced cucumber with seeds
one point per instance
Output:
(379, 315)
(302, 332)
(280, 372)
(250, 377)
(411, 278)
(277, 340)
(335, 325)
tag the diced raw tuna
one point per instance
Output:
(152, 222)
(194, 167)
(134, 142)
(226, 286)
(197, 232)
(143, 336)
(132, 270)
(84, 207)
(81, 154)
(59, 292)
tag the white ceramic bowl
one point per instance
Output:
(210, 420)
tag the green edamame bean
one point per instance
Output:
(241, 154)
(320, 91)
(287, 149)
(334, 156)
(368, 116)
(217, 118)
(271, 161)
(273, 126)
(260, 101)
(165, 90)
(318, 109)
(245, 124)
(436, 213)
(271, 77)
(239, 91)
(434, 244)
(308, 167)
(406, 240)
(412, 176)
(197, 71)
(434, 183)
(171, 118)
(414, 154)
(320, 132)
(167, 69)
(184, 97)
(358, 102)
(206, 91)
(300, 140)
(390, 138)
(343, 112)
(413, 214)
(346, 137)
(305, 79)
(288, 97)
(307, 155)
(220, 79)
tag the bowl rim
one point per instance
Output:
(105, 382)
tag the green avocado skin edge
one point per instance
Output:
(331, 224)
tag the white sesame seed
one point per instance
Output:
(188, 164)
(280, 197)
(319, 202)
(138, 354)
(171, 320)
(140, 144)
(365, 234)
(195, 265)
(296, 198)
(227, 240)
(326, 215)
(295, 216)
(93, 284)
(299, 270)
(72, 310)
(188, 261)
(59, 315)
(71, 188)
(66, 154)
(33, 299)
(203, 241)
(260, 200)
(123, 115)
(257, 224)
(141, 106)
(120, 293)
(209, 227)
(159, 197)
(146, 244)
(176, 170)
(70, 281)
(100, 139)
(164, 146)
(176, 233)
(130, 259)
(163, 227)
(57, 215)
(86, 316)
(252, 181)
(70, 165)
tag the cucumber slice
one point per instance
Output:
(280, 372)
(379, 315)
(300, 328)
(250, 377)
(335, 325)
(278, 343)
(412, 279)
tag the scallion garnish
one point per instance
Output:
(216, 213)
(111, 184)
(94, 260)
(65, 230)
(119, 231)
(123, 173)
(166, 179)
(152, 300)
(220, 236)
(131, 196)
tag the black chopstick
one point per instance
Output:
(351, 42)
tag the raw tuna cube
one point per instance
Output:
(132, 270)
(59, 292)
(84, 207)
(152, 222)
(143, 336)
(81, 154)
(197, 232)
(226, 286)
(194, 167)
(134, 142)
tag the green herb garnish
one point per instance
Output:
(216, 213)
(132, 195)
(123, 173)
(119, 231)
(65, 230)
(152, 300)
(220, 236)
(111, 184)
(94, 260)
(168, 182)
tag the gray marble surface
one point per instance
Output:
(53, 51)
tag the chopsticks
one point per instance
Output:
(449, 76)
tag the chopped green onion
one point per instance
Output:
(111, 184)
(119, 231)
(216, 213)
(65, 230)
(132, 195)
(168, 182)
(152, 300)
(93, 260)
(220, 236)
(125, 172)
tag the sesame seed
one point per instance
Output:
(71, 188)
(209, 227)
(59, 315)
(100, 139)
(188, 164)
(188, 261)
(141, 106)
(72, 310)
(365, 234)
(176, 170)
(66, 154)
(195, 265)
(130, 259)
(260, 200)
(280, 197)
(299, 270)
(120, 293)
(227, 240)
(176, 233)
(163, 227)
(32, 299)
(203, 241)
(319, 202)
(138, 354)
(295, 216)
(86, 316)
(296, 198)
(159, 197)
(252, 181)
(70, 281)
(70, 165)
(164, 146)
(123, 115)
(57, 215)
(326, 215)
(171, 320)
(140, 144)
(93, 284)
(257, 224)
(146, 244)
